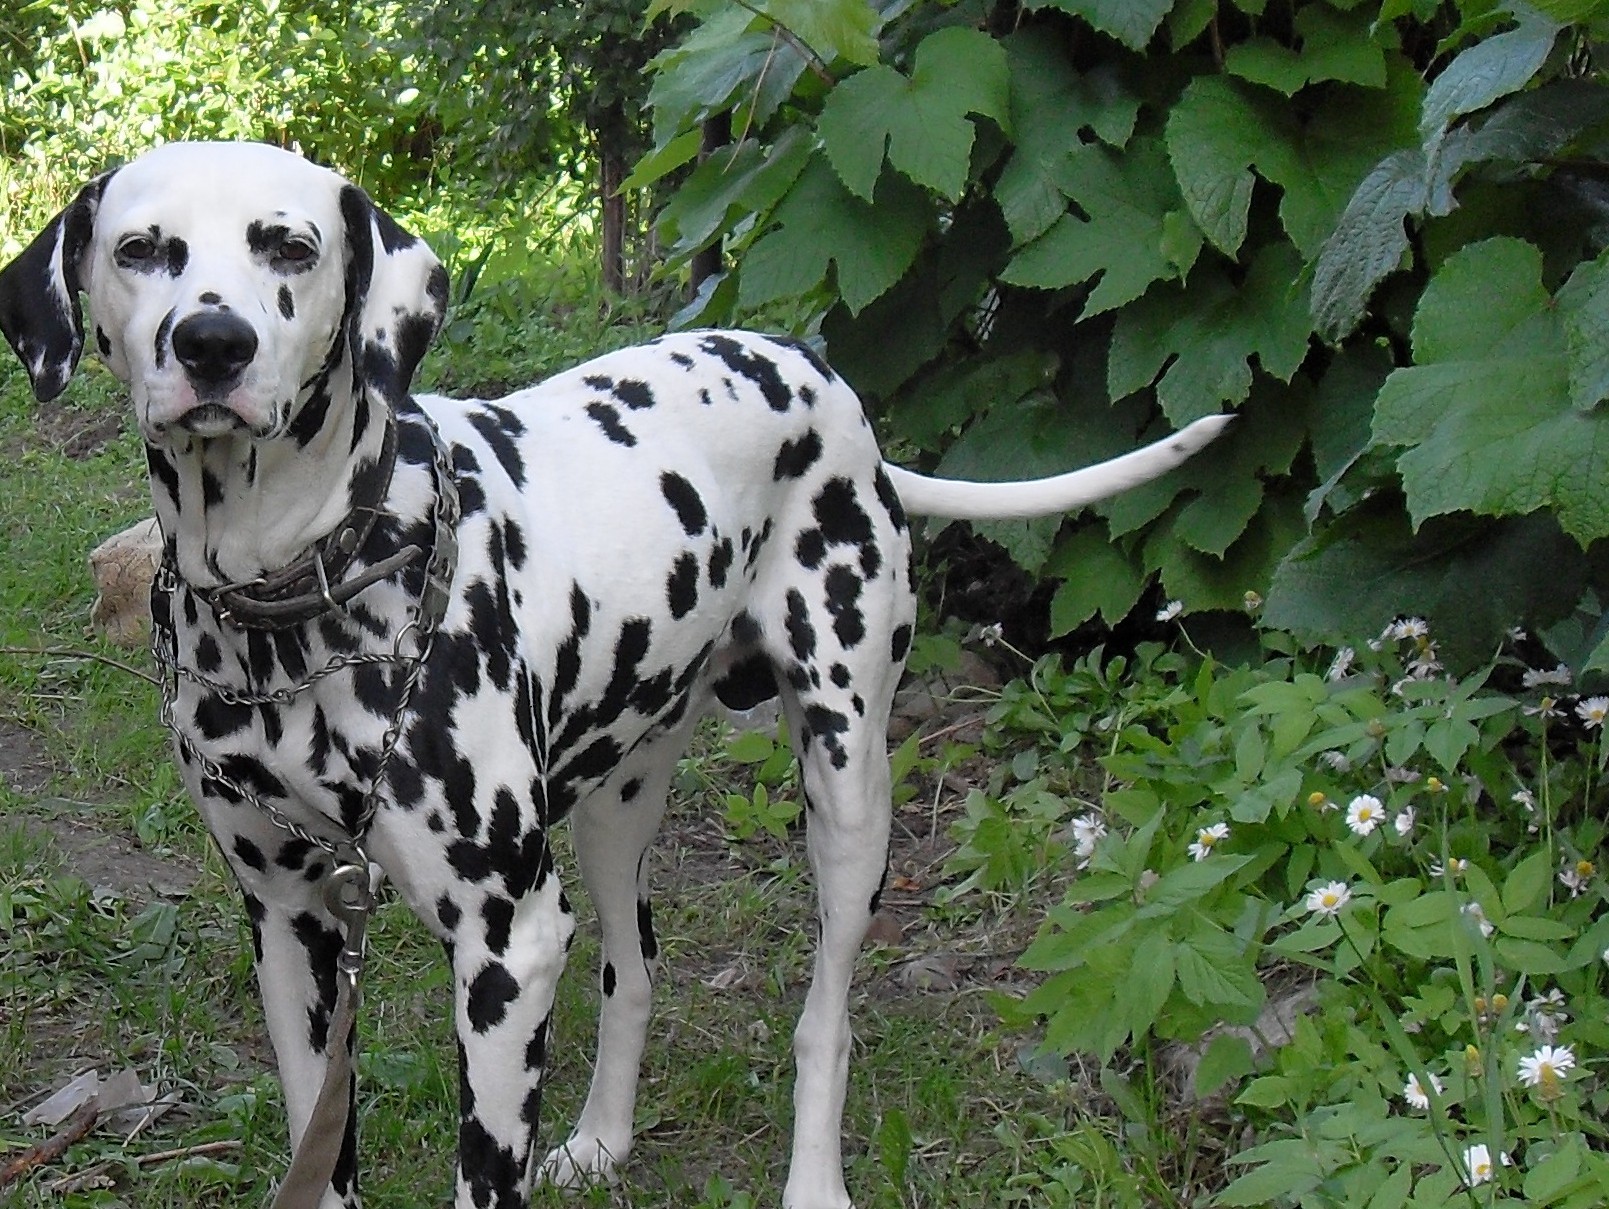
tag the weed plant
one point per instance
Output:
(1362, 896)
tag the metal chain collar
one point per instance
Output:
(422, 626)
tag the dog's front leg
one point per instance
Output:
(507, 955)
(297, 942)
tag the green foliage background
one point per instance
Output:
(1035, 234)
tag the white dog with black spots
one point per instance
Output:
(704, 516)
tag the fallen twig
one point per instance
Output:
(73, 1183)
(53, 1147)
(62, 652)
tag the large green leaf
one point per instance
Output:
(834, 29)
(745, 179)
(1215, 133)
(1052, 105)
(1096, 575)
(921, 122)
(819, 223)
(1491, 68)
(1206, 333)
(1132, 232)
(1472, 578)
(1333, 46)
(1131, 22)
(1487, 410)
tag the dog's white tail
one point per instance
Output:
(953, 498)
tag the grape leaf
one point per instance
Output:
(1206, 333)
(1486, 409)
(747, 178)
(1491, 68)
(1131, 22)
(1096, 577)
(832, 28)
(921, 123)
(1126, 237)
(1471, 578)
(1334, 46)
(819, 223)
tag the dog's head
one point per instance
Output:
(225, 282)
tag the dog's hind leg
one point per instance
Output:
(612, 829)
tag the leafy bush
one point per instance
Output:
(1034, 234)
(1421, 851)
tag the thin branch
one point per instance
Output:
(73, 1183)
(62, 652)
(52, 1148)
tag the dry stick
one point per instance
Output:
(73, 1183)
(62, 652)
(53, 1147)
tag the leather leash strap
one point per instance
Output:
(348, 896)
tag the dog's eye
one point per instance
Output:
(296, 250)
(137, 250)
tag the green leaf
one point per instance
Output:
(1491, 68)
(1215, 133)
(1334, 46)
(1584, 300)
(1528, 956)
(1096, 577)
(1206, 333)
(1052, 104)
(1123, 237)
(745, 179)
(1527, 882)
(1368, 242)
(1369, 566)
(1131, 22)
(1486, 408)
(834, 29)
(922, 121)
(1228, 1056)
(819, 223)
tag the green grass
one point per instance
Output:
(98, 969)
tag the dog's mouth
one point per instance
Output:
(211, 420)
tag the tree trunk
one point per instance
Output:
(717, 134)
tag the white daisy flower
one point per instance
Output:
(1342, 664)
(1535, 678)
(1592, 711)
(1478, 1166)
(1408, 627)
(1547, 1066)
(1404, 822)
(1365, 814)
(1087, 832)
(1414, 1092)
(1328, 899)
(1454, 866)
(1473, 910)
(1170, 610)
(1206, 837)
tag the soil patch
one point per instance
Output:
(25, 768)
(77, 432)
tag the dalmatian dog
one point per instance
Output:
(703, 517)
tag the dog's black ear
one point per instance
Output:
(396, 296)
(39, 311)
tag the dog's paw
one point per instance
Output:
(579, 1163)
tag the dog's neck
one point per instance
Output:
(233, 508)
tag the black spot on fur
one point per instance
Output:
(490, 993)
(249, 854)
(681, 586)
(683, 497)
(287, 302)
(801, 634)
(746, 363)
(447, 911)
(796, 457)
(608, 419)
(645, 930)
(608, 979)
(843, 596)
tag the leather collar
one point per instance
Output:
(314, 583)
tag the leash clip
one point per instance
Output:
(350, 900)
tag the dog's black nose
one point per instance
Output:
(214, 346)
